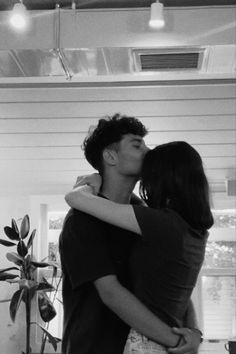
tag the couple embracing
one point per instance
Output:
(129, 264)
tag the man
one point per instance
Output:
(99, 309)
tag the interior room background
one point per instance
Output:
(77, 63)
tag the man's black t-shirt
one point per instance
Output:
(91, 249)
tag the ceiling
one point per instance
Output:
(105, 43)
(55, 84)
(102, 4)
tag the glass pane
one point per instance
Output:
(221, 254)
(55, 225)
(219, 306)
(56, 220)
(221, 246)
(224, 218)
(219, 291)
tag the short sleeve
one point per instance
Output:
(84, 250)
(154, 224)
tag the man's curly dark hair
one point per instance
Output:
(109, 130)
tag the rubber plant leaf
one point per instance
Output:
(45, 286)
(14, 226)
(25, 226)
(46, 308)
(13, 281)
(6, 243)
(6, 276)
(40, 264)
(15, 258)
(54, 264)
(6, 269)
(22, 249)
(51, 339)
(30, 241)
(11, 233)
(15, 303)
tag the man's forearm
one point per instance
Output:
(133, 312)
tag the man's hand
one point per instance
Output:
(94, 180)
(190, 345)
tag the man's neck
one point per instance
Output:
(118, 189)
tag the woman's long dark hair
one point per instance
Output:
(173, 177)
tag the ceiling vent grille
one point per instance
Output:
(168, 60)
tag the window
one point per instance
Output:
(218, 279)
(47, 215)
(55, 222)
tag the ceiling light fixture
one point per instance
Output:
(19, 18)
(157, 15)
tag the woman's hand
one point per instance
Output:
(82, 197)
(93, 180)
(190, 341)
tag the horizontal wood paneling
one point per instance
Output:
(83, 165)
(42, 129)
(136, 108)
(156, 123)
(78, 94)
(68, 177)
(75, 152)
(61, 189)
(39, 188)
(156, 138)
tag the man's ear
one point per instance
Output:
(110, 157)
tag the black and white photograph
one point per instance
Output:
(118, 176)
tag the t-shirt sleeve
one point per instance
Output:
(155, 224)
(84, 250)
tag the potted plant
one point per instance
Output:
(24, 273)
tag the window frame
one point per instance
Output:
(40, 205)
(221, 202)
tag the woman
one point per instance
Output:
(167, 258)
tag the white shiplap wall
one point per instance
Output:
(42, 127)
